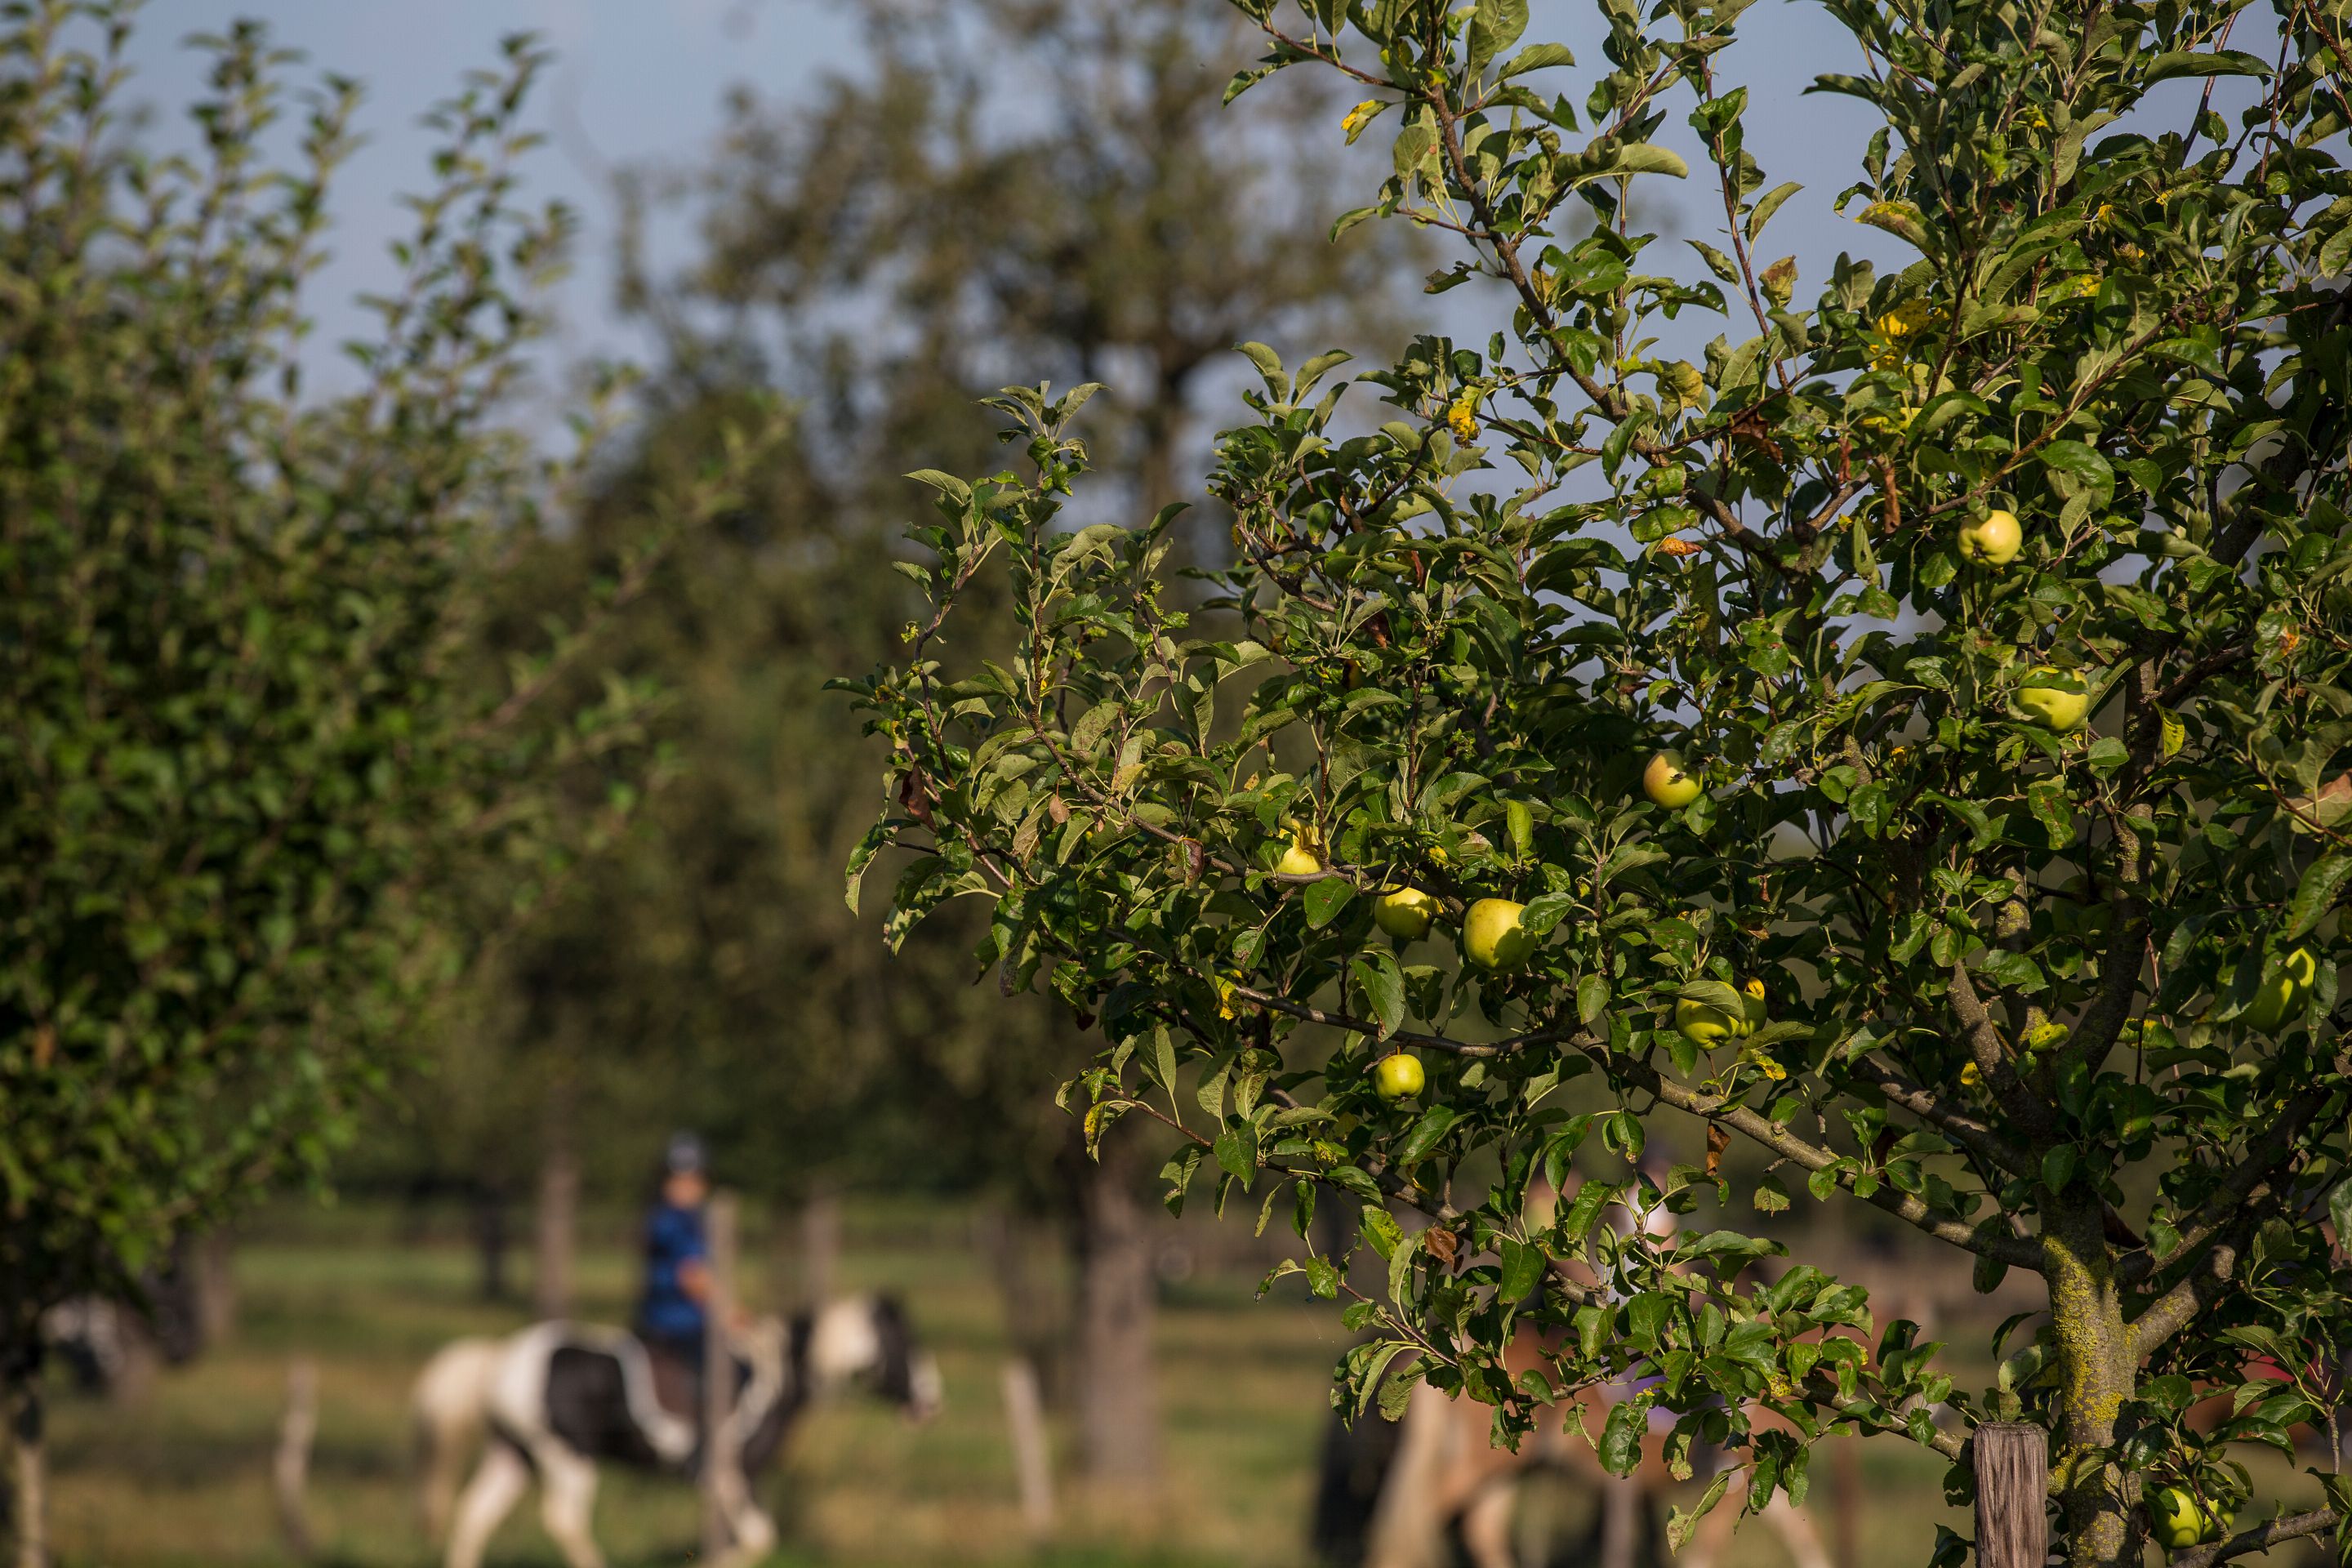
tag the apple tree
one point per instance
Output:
(1991, 614)
(271, 772)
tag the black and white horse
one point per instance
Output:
(558, 1398)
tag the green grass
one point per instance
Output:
(181, 1477)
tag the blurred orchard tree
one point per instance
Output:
(1990, 618)
(883, 257)
(263, 796)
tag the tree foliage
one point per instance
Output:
(877, 253)
(2061, 994)
(263, 792)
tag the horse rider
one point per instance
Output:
(672, 1313)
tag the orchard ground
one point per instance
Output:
(180, 1477)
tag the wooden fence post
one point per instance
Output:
(290, 1471)
(2012, 1466)
(1032, 1463)
(718, 1456)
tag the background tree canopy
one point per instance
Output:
(265, 789)
(1989, 615)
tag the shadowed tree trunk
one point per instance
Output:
(820, 1259)
(1118, 1397)
(211, 1283)
(491, 1237)
(28, 1502)
(556, 1216)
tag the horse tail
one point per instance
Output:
(449, 1411)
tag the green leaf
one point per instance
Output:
(1381, 985)
(1523, 1266)
(2191, 62)
(1495, 25)
(1535, 58)
(1648, 158)
(1681, 1526)
(1766, 204)
(1621, 1436)
(1237, 1150)
(2316, 893)
(2079, 461)
(1426, 1134)
(947, 484)
(1414, 144)
(1269, 366)
(2058, 1167)
(1324, 898)
(1396, 1389)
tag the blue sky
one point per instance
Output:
(641, 82)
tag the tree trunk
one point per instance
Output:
(212, 1268)
(29, 1474)
(1035, 1321)
(491, 1237)
(2098, 1369)
(819, 1260)
(556, 1218)
(1119, 1414)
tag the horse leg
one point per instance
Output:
(1714, 1532)
(1486, 1526)
(567, 1496)
(1409, 1517)
(1621, 1502)
(754, 1533)
(497, 1485)
(1796, 1533)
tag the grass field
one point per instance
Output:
(180, 1477)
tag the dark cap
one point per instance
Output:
(685, 1155)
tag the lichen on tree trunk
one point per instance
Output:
(2098, 1370)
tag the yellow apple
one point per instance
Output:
(1751, 1008)
(1405, 913)
(1399, 1077)
(1492, 936)
(2280, 1000)
(1666, 783)
(1992, 538)
(1300, 859)
(2054, 706)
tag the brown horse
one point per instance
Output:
(1447, 1473)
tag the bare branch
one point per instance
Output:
(2262, 1538)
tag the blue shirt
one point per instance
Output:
(673, 1239)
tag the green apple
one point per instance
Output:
(1399, 1077)
(1405, 913)
(2178, 1521)
(2280, 1000)
(1992, 538)
(2054, 706)
(1492, 936)
(1706, 1023)
(1666, 781)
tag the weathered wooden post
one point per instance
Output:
(1032, 1465)
(719, 1456)
(290, 1471)
(2012, 1466)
